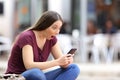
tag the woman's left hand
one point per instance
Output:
(70, 60)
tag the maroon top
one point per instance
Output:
(15, 63)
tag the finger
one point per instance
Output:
(68, 55)
(72, 55)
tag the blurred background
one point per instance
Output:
(91, 26)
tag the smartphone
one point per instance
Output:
(72, 51)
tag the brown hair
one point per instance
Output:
(46, 20)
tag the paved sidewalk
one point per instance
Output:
(90, 71)
(99, 71)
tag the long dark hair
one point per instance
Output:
(46, 20)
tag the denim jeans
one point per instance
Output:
(69, 73)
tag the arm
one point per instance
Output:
(27, 54)
(56, 51)
(60, 59)
(63, 60)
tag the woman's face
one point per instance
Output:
(53, 30)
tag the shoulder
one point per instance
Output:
(26, 35)
(53, 41)
(25, 38)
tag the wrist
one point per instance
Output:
(64, 66)
(56, 62)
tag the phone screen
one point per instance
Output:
(72, 51)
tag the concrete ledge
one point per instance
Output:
(100, 69)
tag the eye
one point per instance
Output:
(54, 27)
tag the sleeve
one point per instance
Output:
(24, 39)
(54, 41)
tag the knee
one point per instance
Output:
(75, 69)
(38, 74)
(34, 74)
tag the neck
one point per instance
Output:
(40, 39)
(40, 35)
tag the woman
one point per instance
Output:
(109, 27)
(32, 48)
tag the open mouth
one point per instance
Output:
(52, 36)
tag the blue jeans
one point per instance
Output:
(69, 73)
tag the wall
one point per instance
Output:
(63, 7)
(6, 19)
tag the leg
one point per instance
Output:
(110, 55)
(95, 57)
(70, 73)
(34, 74)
